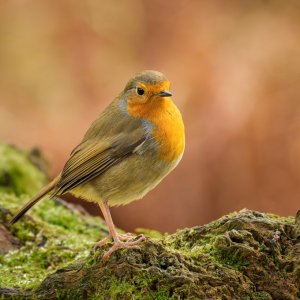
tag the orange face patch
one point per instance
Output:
(150, 91)
(164, 115)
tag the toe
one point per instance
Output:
(102, 243)
(124, 245)
(126, 236)
(141, 238)
(115, 246)
(131, 237)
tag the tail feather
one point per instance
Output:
(48, 188)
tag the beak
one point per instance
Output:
(165, 94)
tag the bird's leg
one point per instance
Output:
(114, 235)
(126, 236)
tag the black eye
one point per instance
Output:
(140, 91)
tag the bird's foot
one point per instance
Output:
(102, 243)
(118, 244)
(124, 245)
(126, 236)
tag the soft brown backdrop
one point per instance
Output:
(235, 72)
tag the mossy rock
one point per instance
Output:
(244, 255)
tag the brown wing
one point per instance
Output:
(93, 157)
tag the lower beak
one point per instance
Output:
(165, 94)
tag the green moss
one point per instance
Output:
(48, 246)
(17, 173)
(193, 244)
(232, 257)
(287, 219)
(52, 235)
(221, 260)
(25, 230)
(143, 285)
(149, 232)
(261, 296)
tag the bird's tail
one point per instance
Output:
(45, 190)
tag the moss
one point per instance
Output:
(17, 173)
(48, 246)
(142, 286)
(287, 219)
(232, 258)
(51, 234)
(243, 255)
(261, 296)
(149, 232)
(121, 289)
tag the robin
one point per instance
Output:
(136, 141)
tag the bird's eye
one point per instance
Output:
(140, 91)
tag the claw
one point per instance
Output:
(121, 245)
(131, 243)
(101, 243)
(126, 236)
(141, 238)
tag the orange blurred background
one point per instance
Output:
(235, 73)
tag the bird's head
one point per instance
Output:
(146, 87)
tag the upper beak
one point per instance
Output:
(165, 94)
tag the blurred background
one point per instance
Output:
(235, 73)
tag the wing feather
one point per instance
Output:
(93, 157)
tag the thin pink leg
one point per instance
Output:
(114, 235)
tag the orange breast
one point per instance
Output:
(168, 130)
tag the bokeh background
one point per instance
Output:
(235, 73)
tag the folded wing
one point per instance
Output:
(93, 157)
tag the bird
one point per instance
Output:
(133, 144)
